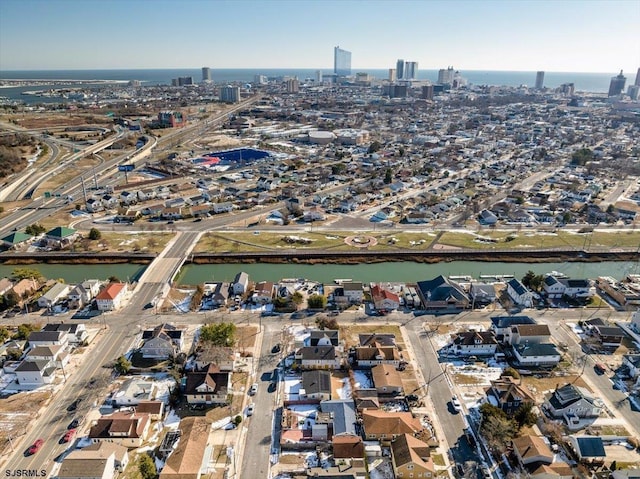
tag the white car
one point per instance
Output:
(254, 389)
(456, 403)
(250, 408)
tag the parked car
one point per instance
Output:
(254, 389)
(74, 405)
(277, 348)
(68, 436)
(250, 409)
(35, 447)
(600, 368)
(456, 403)
(76, 423)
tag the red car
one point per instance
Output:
(35, 447)
(68, 436)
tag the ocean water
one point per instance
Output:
(585, 82)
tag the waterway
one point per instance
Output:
(325, 273)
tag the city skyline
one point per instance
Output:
(493, 35)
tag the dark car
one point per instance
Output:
(74, 405)
(197, 220)
(35, 447)
(277, 348)
(76, 423)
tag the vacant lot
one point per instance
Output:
(349, 333)
(16, 412)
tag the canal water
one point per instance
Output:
(325, 273)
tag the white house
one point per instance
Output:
(240, 283)
(384, 299)
(519, 293)
(318, 357)
(353, 292)
(473, 343)
(222, 207)
(35, 373)
(94, 205)
(553, 287)
(56, 293)
(111, 297)
(84, 292)
(544, 354)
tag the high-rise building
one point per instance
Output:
(567, 89)
(400, 69)
(410, 71)
(427, 92)
(206, 75)
(445, 77)
(293, 85)
(633, 91)
(230, 94)
(318, 76)
(260, 80)
(539, 80)
(392, 75)
(341, 62)
(617, 84)
(637, 82)
(183, 81)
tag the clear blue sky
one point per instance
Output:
(558, 35)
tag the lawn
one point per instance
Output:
(487, 239)
(144, 242)
(67, 174)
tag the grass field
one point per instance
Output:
(529, 239)
(67, 174)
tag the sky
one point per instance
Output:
(550, 35)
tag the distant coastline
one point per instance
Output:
(583, 81)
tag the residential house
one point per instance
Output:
(56, 355)
(574, 405)
(111, 297)
(318, 357)
(54, 295)
(502, 326)
(83, 293)
(341, 416)
(386, 426)
(316, 384)
(529, 334)
(473, 343)
(225, 207)
(588, 448)
(134, 391)
(482, 294)
(387, 380)
(355, 469)
(25, 288)
(377, 339)
(35, 373)
(442, 294)
(552, 287)
(216, 293)
(208, 386)
(555, 470)
(128, 429)
(531, 451)
(263, 292)
(374, 354)
(240, 283)
(572, 288)
(324, 337)
(411, 458)
(76, 332)
(536, 355)
(507, 394)
(191, 454)
(383, 299)
(48, 338)
(129, 197)
(155, 409)
(162, 342)
(610, 337)
(347, 446)
(100, 460)
(519, 293)
(352, 293)
(60, 236)
(110, 201)
(206, 353)
(632, 362)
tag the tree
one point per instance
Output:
(4, 334)
(297, 298)
(327, 323)
(94, 234)
(237, 420)
(147, 467)
(527, 278)
(581, 156)
(113, 279)
(35, 229)
(316, 301)
(219, 334)
(401, 151)
(525, 416)
(26, 273)
(24, 330)
(375, 146)
(388, 176)
(123, 365)
(11, 299)
(511, 372)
